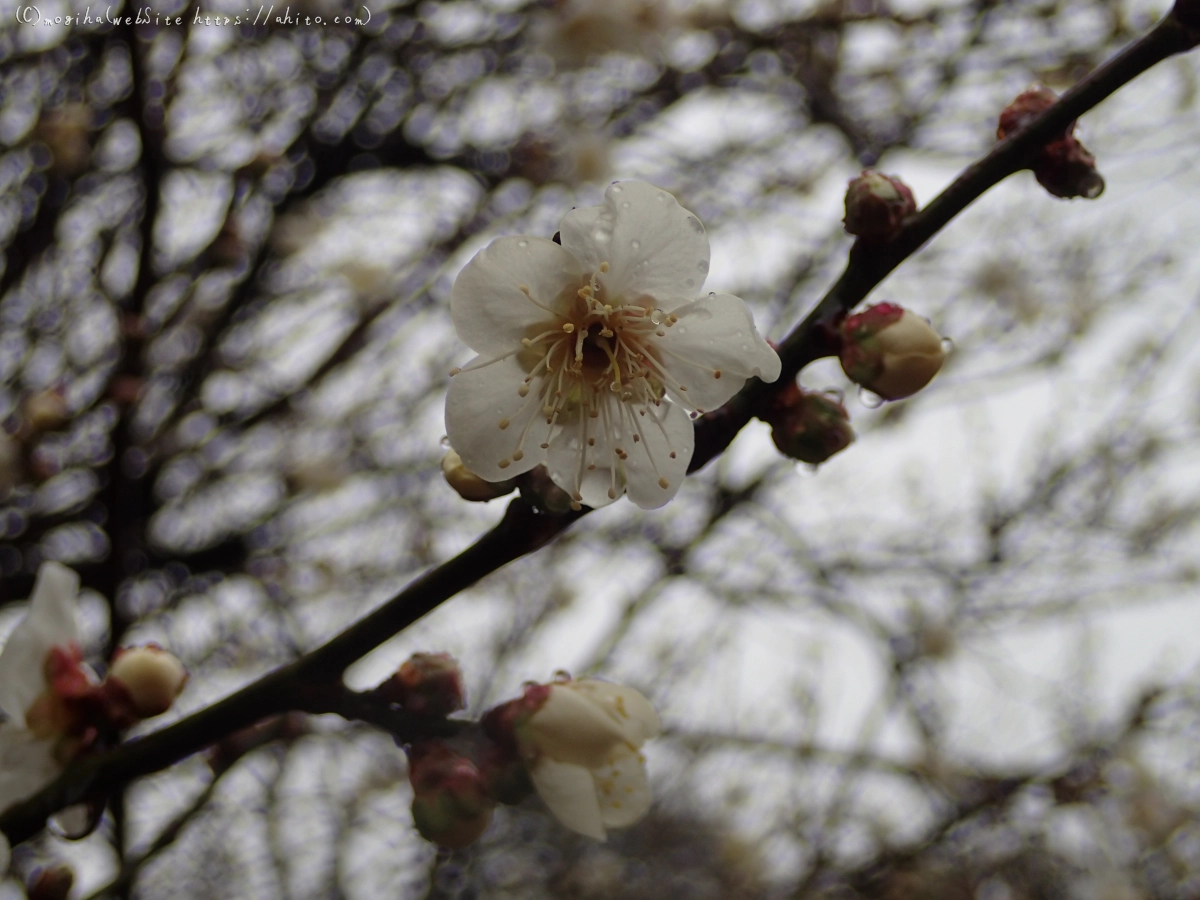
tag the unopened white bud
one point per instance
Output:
(470, 486)
(153, 677)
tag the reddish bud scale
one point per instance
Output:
(500, 723)
(1025, 108)
(1064, 167)
(809, 427)
(451, 803)
(859, 359)
(877, 205)
(428, 684)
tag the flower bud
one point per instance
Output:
(1027, 106)
(451, 804)
(1064, 167)
(429, 684)
(809, 426)
(469, 485)
(890, 351)
(877, 205)
(152, 676)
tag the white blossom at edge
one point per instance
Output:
(27, 762)
(592, 353)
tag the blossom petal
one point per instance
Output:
(50, 622)
(27, 764)
(570, 794)
(654, 247)
(714, 334)
(491, 313)
(570, 455)
(622, 788)
(573, 728)
(663, 431)
(478, 402)
(626, 705)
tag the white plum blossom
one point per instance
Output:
(592, 352)
(28, 736)
(582, 747)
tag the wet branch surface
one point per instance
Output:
(311, 683)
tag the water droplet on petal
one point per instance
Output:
(947, 345)
(522, 243)
(625, 204)
(703, 267)
(526, 685)
(835, 394)
(445, 441)
(562, 676)
(868, 399)
(636, 245)
(616, 189)
(657, 316)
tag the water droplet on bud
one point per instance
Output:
(562, 676)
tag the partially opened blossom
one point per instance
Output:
(593, 352)
(580, 743)
(39, 664)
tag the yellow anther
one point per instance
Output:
(568, 327)
(663, 483)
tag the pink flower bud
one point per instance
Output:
(1027, 106)
(890, 351)
(451, 803)
(152, 676)
(809, 426)
(470, 486)
(1064, 167)
(429, 684)
(877, 205)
